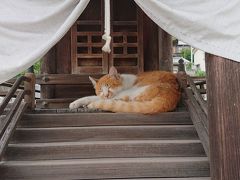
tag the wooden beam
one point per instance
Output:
(151, 47)
(223, 84)
(48, 67)
(64, 79)
(29, 88)
(165, 50)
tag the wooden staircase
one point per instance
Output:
(50, 145)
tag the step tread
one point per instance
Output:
(104, 149)
(103, 119)
(108, 127)
(186, 178)
(62, 134)
(104, 168)
(105, 160)
(50, 144)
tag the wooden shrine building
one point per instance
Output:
(137, 45)
(43, 139)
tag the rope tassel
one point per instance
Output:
(106, 36)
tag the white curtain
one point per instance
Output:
(29, 28)
(210, 25)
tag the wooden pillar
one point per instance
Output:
(48, 67)
(165, 50)
(223, 93)
(29, 88)
(151, 46)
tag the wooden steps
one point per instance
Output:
(109, 168)
(68, 134)
(105, 146)
(105, 149)
(42, 120)
(186, 178)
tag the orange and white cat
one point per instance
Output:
(146, 93)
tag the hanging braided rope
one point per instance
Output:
(106, 36)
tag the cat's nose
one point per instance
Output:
(108, 95)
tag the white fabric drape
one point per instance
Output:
(28, 29)
(210, 25)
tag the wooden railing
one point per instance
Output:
(10, 113)
(194, 96)
(4, 88)
(197, 106)
(48, 80)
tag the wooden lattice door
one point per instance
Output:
(87, 56)
(126, 31)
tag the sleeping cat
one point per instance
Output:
(146, 93)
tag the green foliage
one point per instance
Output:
(197, 71)
(189, 66)
(186, 53)
(200, 73)
(37, 67)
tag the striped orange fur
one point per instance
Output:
(146, 93)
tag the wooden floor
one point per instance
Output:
(66, 145)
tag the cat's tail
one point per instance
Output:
(156, 105)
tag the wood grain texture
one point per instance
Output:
(223, 81)
(151, 44)
(64, 79)
(186, 178)
(4, 122)
(140, 45)
(198, 117)
(165, 50)
(105, 149)
(107, 168)
(62, 134)
(29, 89)
(103, 119)
(48, 66)
(63, 55)
(198, 96)
(10, 94)
(10, 129)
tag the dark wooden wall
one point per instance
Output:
(151, 46)
(223, 87)
(157, 47)
(49, 67)
(165, 50)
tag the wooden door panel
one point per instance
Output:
(87, 56)
(126, 35)
(126, 46)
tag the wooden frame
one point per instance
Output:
(223, 81)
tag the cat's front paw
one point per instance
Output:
(74, 105)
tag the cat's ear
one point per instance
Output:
(93, 80)
(113, 71)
